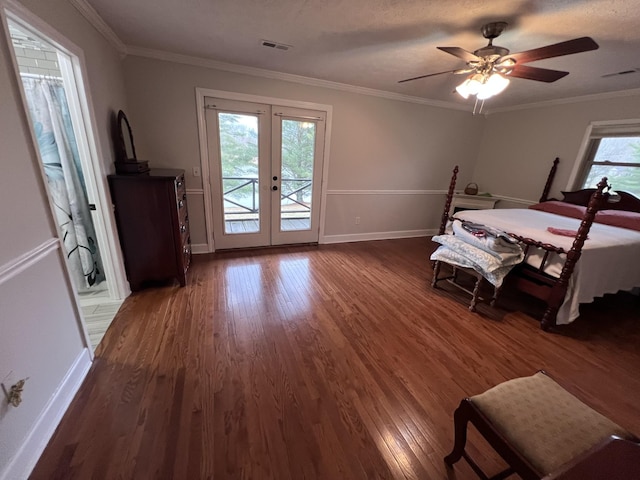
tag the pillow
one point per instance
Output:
(619, 218)
(561, 208)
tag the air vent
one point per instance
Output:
(276, 45)
(623, 72)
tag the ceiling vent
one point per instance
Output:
(276, 45)
(623, 72)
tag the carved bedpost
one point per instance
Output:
(447, 203)
(547, 186)
(559, 291)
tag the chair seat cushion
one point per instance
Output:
(542, 421)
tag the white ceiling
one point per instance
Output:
(375, 43)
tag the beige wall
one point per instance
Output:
(518, 147)
(40, 332)
(376, 143)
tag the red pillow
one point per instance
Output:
(561, 208)
(619, 218)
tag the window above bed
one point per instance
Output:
(613, 152)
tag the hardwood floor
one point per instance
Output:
(330, 362)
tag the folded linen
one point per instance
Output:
(495, 242)
(445, 254)
(492, 267)
(563, 232)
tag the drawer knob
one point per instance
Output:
(183, 228)
(181, 203)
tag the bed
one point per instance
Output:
(564, 271)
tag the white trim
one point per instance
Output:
(201, 93)
(195, 191)
(579, 163)
(99, 24)
(287, 77)
(386, 192)
(199, 248)
(74, 72)
(366, 237)
(24, 261)
(564, 101)
(28, 454)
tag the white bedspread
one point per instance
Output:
(609, 260)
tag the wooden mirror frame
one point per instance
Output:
(123, 155)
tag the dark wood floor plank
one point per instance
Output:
(329, 362)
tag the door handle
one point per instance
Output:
(274, 188)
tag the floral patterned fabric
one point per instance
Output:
(491, 266)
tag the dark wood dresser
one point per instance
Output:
(153, 225)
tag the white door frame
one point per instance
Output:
(262, 114)
(201, 93)
(74, 73)
(278, 236)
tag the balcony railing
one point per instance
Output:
(299, 185)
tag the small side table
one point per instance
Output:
(460, 201)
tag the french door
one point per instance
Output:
(266, 172)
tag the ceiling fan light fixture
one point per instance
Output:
(463, 89)
(494, 85)
(483, 86)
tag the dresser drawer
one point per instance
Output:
(153, 225)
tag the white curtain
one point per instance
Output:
(57, 144)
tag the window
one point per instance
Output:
(613, 152)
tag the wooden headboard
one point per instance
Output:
(620, 201)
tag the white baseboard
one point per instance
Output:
(27, 456)
(365, 237)
(199, 248)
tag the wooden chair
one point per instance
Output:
(534, 424)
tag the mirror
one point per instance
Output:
(127, 151)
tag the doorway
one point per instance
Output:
(52, 99)
(266, 166)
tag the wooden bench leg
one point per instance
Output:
(474, 297)
(460, 421)
(436, 272)
(496, 292)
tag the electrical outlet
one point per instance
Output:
(357, 220)
(196, 171)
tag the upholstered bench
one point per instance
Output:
(533, 423)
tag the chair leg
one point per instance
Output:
(460, 420)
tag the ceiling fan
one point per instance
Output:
(490, 66)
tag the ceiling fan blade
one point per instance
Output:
(577, 45)
(460, 53)
(428, 75)
(538, 74)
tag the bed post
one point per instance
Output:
(447, 203)
(559, 290)
(547, 186)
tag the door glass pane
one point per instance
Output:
(239, 161)
(298, 142)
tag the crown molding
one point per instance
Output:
(564, 101)
(287, 77)
(99, 24)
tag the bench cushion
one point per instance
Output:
(542, 421)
